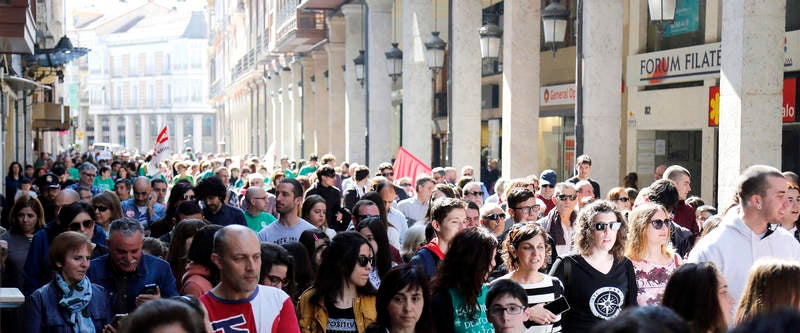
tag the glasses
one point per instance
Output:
(474, 193)
(623, 199)
(364, 217)
(658, 224)
(78, 226)
(565, 197)
(387, 174)
(101, 208)
(274, 280)
(363, 261)
(513, 310)
(89, 174)
(547, 185)
(527, 209)
(614, 226)
(188, 197)
(405, 184)
(495, 216)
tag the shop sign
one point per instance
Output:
(788, 107)
(687, 18)
(562, 94)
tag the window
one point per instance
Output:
(117, 96)
(792, 15)
(208, 125)
(134, 97)
(151, 95)
(688, 28)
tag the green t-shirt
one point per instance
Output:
(308, 169)
(463, 321)
(74, 173)
(179, 177)
(105, 184)
(289, 174)
(258, 222)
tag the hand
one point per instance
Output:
(109, 329)
(142, 298)
(3, 244)
(541, 316)
(339, 216)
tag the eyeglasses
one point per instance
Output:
(89, 174)
(512, 310)
(76, 226)
(614, 226)
(405, 184)
(188, 197)
(495, 216)
(658, 224)
(624, 199)
(277, 279)
(547, 185)
(100, 208)
(565, 197)
(527, 209)
(474, 193)
(363, 261)
(364, 217)
(387, 174)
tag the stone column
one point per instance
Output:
(297, 106)
(309, 105)
(751, 89)
(287, 112)
(356, 103)
(465, 86)
(602, 96)
(98, 128)
(520, 105)
(179, 133)
(113, 124)
(379, 35)
(280, 149)
(271, 119)
(145, 145)
(197, 129)
(336, 92)
(321, 101)
(130, 132)
(417, 79)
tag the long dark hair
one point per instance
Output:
(273, 254)
(692, 293)
(337, 264)
(303, 273)
(68, 213)
(394, 281)
(11, 170)
(466, 266)
(383, 255)
(201, 249)
(177, 254)
(176, 195)
(309, 240)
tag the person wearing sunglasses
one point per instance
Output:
(560, 221)
(619, 196)
(547, 183)
(650, 251)
(341, 299)
(78, 216)
(107, 208)
(598, 279)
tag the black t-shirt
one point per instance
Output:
(592, 295)
(340, 320)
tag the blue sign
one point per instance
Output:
(687, 18)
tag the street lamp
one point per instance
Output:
(434, 52)
(359, 62)
(394, 62)
(662, 12)
(554, 22)
(491, 35)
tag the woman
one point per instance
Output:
(107, 208)
(182, 237)
(13, 182)
(200, 274)
(313, 211)
(386, 255)
(27, 217)
(790, 218)
(79, 217)
(649, 250)
(619, 196)
(182, 168)
(772, 285)
(180, 192)
(164, 315)
(123, 173)
(598, 280)
(526, 250)
(70, 302)
(459, 289)
(699, 294)
(277, 268)
(415, 238)
(342, 294)
(303, 273)
(403, 302)
(315, 242)
(103, 179)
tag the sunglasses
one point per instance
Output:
(76, 226)
(547, 185)
(495, 216)
(658, 224)
(101, 208)
(614, 226)
(363, 261)
(364, 217)
(387, 174)
(188, 197)
(474, 193)
(623, 199)
(565, 197)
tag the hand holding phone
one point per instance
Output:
(558, 306)
(150, 289)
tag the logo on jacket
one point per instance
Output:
(606, 302)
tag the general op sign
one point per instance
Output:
(562, 94)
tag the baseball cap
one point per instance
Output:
(548, 177)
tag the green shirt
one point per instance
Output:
(464, 322)
(258, 222)
(106, 184)
(289, 174)
(73, 173)
(308, 169)
(179, 177)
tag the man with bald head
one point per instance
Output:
(238, 303)
(256, 214)
(144, 206)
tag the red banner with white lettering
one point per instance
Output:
(408, 165)
(789, 100)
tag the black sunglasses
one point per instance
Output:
(474, 193)
(76, 226)
(364, 217)
(387, 174)
(624, 199)
(495, 216)
(658, 224)
(363, 261)
(613, 225)
(100, 208)
(564, 197)
(547, 185)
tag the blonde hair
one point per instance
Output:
(638, 221)
(771, 285)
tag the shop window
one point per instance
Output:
(688, 28)
(792, 15)
(490, 96)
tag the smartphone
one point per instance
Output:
(118, 319)
(151, 289)
(558, 306)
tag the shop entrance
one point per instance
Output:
(683, 148)
(790, 155)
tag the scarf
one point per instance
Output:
(75, 301)
(433, 246)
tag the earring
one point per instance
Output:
(759, 206)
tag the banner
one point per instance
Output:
(408, 165)
(160, 152)
(270, 157)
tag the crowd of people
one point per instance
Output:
(216, 244)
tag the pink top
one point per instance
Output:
(652, 279)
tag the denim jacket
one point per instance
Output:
(44, 314)
(151, 270)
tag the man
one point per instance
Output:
(325, 187)
(468, 171)
(493, 218)
(125, 270)
(48, 190)
(287, 168)
(211, 192)
(160, 189)
(87, 172)
(415, 208)
(289, 226)
(658, 173)
(230, 196)
(473, 215)
(256, 214)
(547, 181)
(559, 223)
(472, 192)
(585, 193)
(583, 166)
(85, 194)
(238, 303)
(790, 176)
(745, 234)
(143, 207)
(490, 174)
(386, 170)
(356, 186)
(162, 229)
(438, 175)
(363, 209)
(330, 160)
(683, 212)
(450, 176)
(311, 167)
(395, 217)
(122, 187)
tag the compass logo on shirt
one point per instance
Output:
(606, 302)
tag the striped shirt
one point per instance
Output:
(545, 291)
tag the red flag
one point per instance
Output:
(408, 165)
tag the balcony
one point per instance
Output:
(47, 117)
(244, 65)
(299, 29)
(17, 27)
(320, 4)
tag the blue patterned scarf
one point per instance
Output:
(75, 301)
